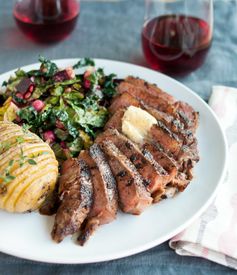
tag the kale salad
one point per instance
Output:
(64, 108)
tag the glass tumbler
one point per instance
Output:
(177, 34)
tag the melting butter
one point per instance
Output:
(136, 123)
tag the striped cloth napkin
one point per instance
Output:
(214, 235)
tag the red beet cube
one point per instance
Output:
(25, 85)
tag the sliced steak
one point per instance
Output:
(133, 196)
(123, 100)
(76, 191)
(109, 185)
(51, 203)
(154, 176)
(115, 122)
(187, 115)
(105, 201)
(151, 89)
(170, 141)
(172, 123)
(167, 162)
(142, 96)
(178, 109)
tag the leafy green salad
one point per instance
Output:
(64, 108)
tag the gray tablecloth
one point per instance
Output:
(112, 30)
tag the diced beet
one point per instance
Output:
(31, 89)
(87, 83)
(64, 75)
(38, 105)
(19, 95)
(25, 85)
(49, 136)
(27, 95)
(63, 144)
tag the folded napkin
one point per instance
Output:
(214, 235)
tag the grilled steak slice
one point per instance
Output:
(133, 196)
(122, 101)
(168, 163)
(109, 186)
(115, 122)
(151, 89)
(142, 96)
(51, 203)
(172, 123)
(105, 205)
(89, 227)
(187, 115)
(75, 189)
(179, 110)
(155, 177)
(170, 141)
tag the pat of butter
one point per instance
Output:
(136, 123)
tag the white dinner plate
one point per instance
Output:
(28, 235)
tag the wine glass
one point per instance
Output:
(177, 34)
(46, 20)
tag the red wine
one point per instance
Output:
(176, 44)
(46, 20)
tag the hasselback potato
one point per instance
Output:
(28, 169)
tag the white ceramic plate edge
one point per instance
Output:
(152, 243)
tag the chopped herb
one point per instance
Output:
(31, 162)
(20, 140)
(7, 178)
(11, 162)
(4, 146)
(22, 158)
(83, 63)
(44, 153)
(25, 128)
(4, 83)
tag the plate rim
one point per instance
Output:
(151, 244)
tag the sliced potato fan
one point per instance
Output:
(28, 169)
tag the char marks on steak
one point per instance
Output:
(141, 95)
(154, 175)
(115, 171)
(105, 201)
(75, 193)
(151, 96)
(151, 89)
(133, 196)
(115, 122)
(166, 138)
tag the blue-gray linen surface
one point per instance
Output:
(112, 30)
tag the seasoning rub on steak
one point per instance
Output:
(75, 191)
(123, 171)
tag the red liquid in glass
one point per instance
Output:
(176, 44)
(46, 20)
